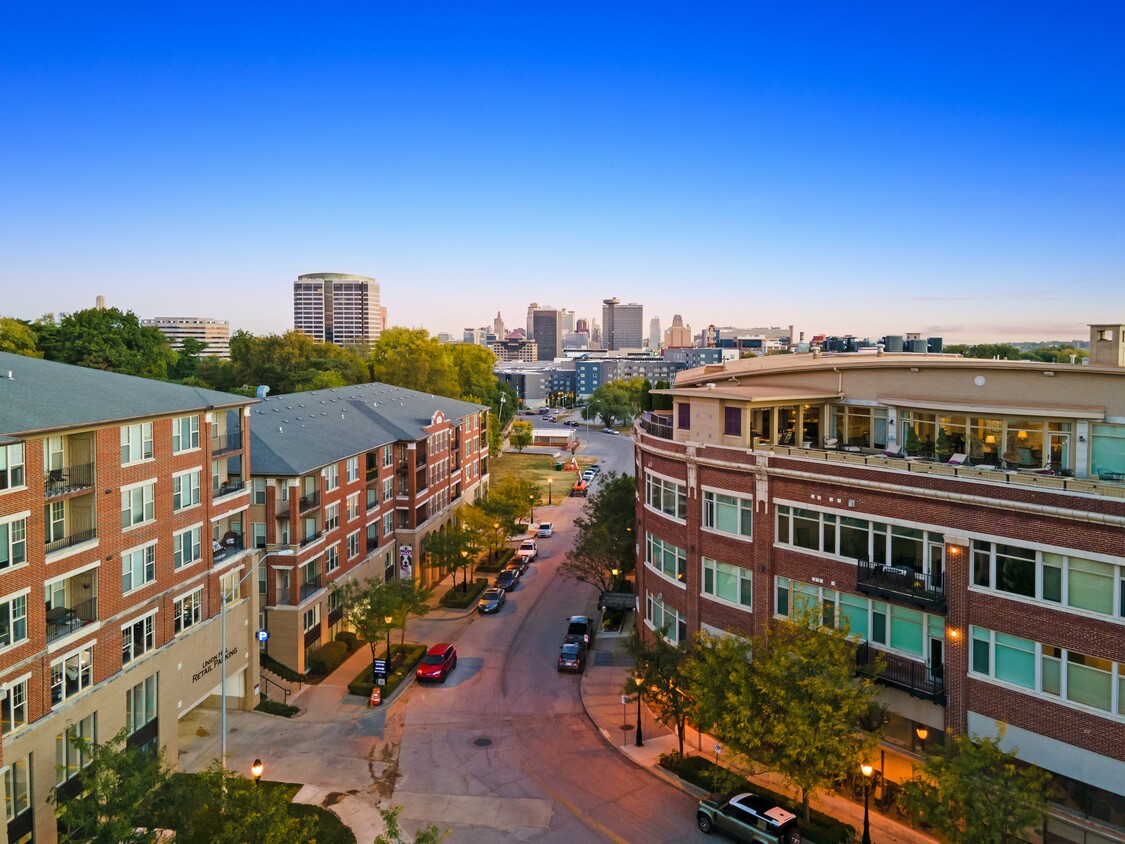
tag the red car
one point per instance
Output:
(437, 663)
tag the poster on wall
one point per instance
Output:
(405, 562)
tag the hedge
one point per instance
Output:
(458, 600)
(328, 657)
(701, 771)
(410, 655)
(276, 707)
(503, 557)
(350, 639)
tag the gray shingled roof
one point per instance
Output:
(297, 433)
(42, 395)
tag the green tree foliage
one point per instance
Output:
(661, 402)
(221, 806)
(519, 435)
(988, 351)
(119, 787)
(293, 362)
(473, 365)
(660, 677)
(19, 337)
(616, 402)
(606, 535)
(411, 358)
(515, 497)
(109, 339)
(495, 435)
(412, 602)
(646, 396)
(796, 707)
(491, 520)
(187, 359)
(392, 832)
(445, 548)
(504, 409)
(371, 608)
(973, 792)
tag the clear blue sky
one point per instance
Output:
(952, 169)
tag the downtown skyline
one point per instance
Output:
(955, 172)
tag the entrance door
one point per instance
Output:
(937, 658)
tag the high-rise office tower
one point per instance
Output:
(214, 332)
(545, 325)
(498, 327)
(338, 308)
(678, 335)
(654, 337)
(622, 325)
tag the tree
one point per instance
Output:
(413, 602)
(411, 358)
(293, 362)
(370, 608)
(445, 548)
(659, 675)
(606, 535)
(392, 832)
(495, 435)
(646, 395)
(973, 792)
(616, 401)
(660, 402)
(473, 365)
(489, 523)
(187, 359)
(796, 707)
(113, 340)
(18, 337)
(220, 806)
(119, 787)
(514, 497)
(519, 435)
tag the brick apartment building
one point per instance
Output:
(123, 507)
(347, 484)
(984, 563)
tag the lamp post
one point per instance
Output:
(922, 734)
(223, 663)
(639, 742)
(531, 513)
(550, 485)
(464, 572)
(256, 770)
(495, 536)
(616, 574)
(867, 771)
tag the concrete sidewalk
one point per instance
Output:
(606, 672)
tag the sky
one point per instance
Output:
(846, 168)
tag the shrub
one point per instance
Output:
(327, 658)
(410, 654)
(283, 671)
(456, 599)
(350, 639)
(276, 707)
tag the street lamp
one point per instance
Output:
(550, 485)
(922, 734)
(867, 771)
(495, 537)
(616, 573)
(639, 742)
(256, 770)
(223, 663)
(464, 574)
(531, 515)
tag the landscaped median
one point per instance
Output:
(705, 774)
(458, 599)
(404, 658)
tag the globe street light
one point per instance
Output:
(867, 771)
(639, 742)
(256, 770)
(495, 535)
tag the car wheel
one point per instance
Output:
(443, 676)
(705, 824)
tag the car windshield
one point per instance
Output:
(570, 651)
(432, 659)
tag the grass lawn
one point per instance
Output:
(329, 828)
(538, 468)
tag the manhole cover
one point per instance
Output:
(482, 742)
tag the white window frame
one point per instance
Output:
(331, 477)
(147, 490)
(14, 526)
(13, 701)
(84, 672)
(353, 545)
(142, 703)
(744, 580)
(352, 468)
(679, 577)
(185, 427)
(353, 507)
(192, 602)
(136, 443)
(192, 478)
(143, 556)
(672, 631)
(388, 523)
(744, 513)
(13, 468)
(310, 619)
(15, 607)
(129, 642)
(332, 557)
(67, 753)
(657, 487)
(194, 536)
(230, 586)
(331, 516)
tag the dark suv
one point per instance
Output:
(748, 818)
(580, 627)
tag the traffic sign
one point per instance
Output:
(379, 666)
(263, 635)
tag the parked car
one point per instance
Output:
(506, 580)
(582, 626)
(570, 423)
(552, 419)
(748, 818)
(437, 663)
(546, 529)
(572, 657)
(528, 550)
(608, 431)
(491, 600)
(517, 568)
(580, 488)
(597, 467)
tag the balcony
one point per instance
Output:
(311, 537)
(228, 442)
(232, 544)
(76, 538)
(309, 501)
(282, 598)
(656, 425)
(71, 479)
(901, 673)
(229, 487)
(62, 621)
(311, 587)
(902, 584)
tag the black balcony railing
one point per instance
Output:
(311, 587)
(898, 672)
(311, 537)
(309, 501)
(926, 589)
(657, 426)
(229, 487)
(70, 479)
(232, 544)
(230, 441)
(62, 621)
(421, 460)
(75, 538)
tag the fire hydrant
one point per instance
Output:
(376, 698)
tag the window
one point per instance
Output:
(17, 788)
(13, 707)
(185, 434)
(732, 421)
(353, 507)
(353, 546)
(138, 638)
(732, 584)
(331, 517)
(666, 558)
(72, 748)
(185, 490)
(13, 620)
(312, 618)
(230, 585)
(665, 496)
(728, 514)
(258, 485)
(140, 705)
(683, 415)
(661, 617)
(136, 442)
(388, 488)
(331, 478)
(186, 547)
(11, 466)
(353, 469)
(388, 524)
(137, 505)
(388, 455)
(72, 674)
(188, 610)
(332, 557)
(258, 534)
(13, 543)
(138, 567)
